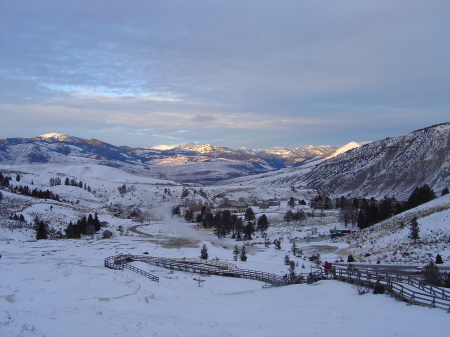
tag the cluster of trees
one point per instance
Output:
(226, 223)
(84, 226)
(4, 180)
(367, 212)
(372, 212)
(432, 275)
(321, 201)
(419, 196)
(71, 182)
(25, 190)
(55, 181)
(16, 217)
(292, 202)
(294, 216)
(239, 253)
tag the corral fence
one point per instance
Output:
(211, 267)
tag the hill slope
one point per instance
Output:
(392, 166)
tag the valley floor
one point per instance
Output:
(61, 288)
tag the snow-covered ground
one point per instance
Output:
(61, 288)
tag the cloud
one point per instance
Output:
(289, 72)
(201, 119)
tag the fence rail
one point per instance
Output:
(119, 262)
(422, 294)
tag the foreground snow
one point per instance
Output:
(61, 288)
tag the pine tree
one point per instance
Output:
(204, 252)
(249, 214)
(243, 254)
(291, 202)
(41, 229)
(432, 275)
(287, 260)
(97, 224)
(439, 259)
(277, 244)
(292, 274)
(263, 223)
(249, 230)
(414, 230)
(294, 248)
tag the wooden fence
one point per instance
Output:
(402, 287)
(211, 267)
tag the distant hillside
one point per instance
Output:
(187, 163)
(392, 166)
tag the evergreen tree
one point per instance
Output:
(204, 253)
(287, 260)
(362, 221)
(291, 202)
(97, 224)
(243, 254)
(239, 228)
(444, 191)
(289, 216)
(263, 223)
(414, 230)
(294, 248)
(432, 275)
(249, 230)
(439, 259)
(292, 274)
(277, 244)
(350, 258)
(41, 229)
(249, 214)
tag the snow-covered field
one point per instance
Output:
(61, 288)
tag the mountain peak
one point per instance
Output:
(57, 137)
(347, 147)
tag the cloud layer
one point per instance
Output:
(238, 73)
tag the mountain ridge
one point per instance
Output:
(204, 163)
(391, 166)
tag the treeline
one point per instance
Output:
(87, 225)
(84, 226)
(367, 212)
(25, 190)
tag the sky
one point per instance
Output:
(244, 73)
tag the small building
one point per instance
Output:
(233, 206)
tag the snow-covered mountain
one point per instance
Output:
(292, 157)
(189, 163)
(392, 166)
